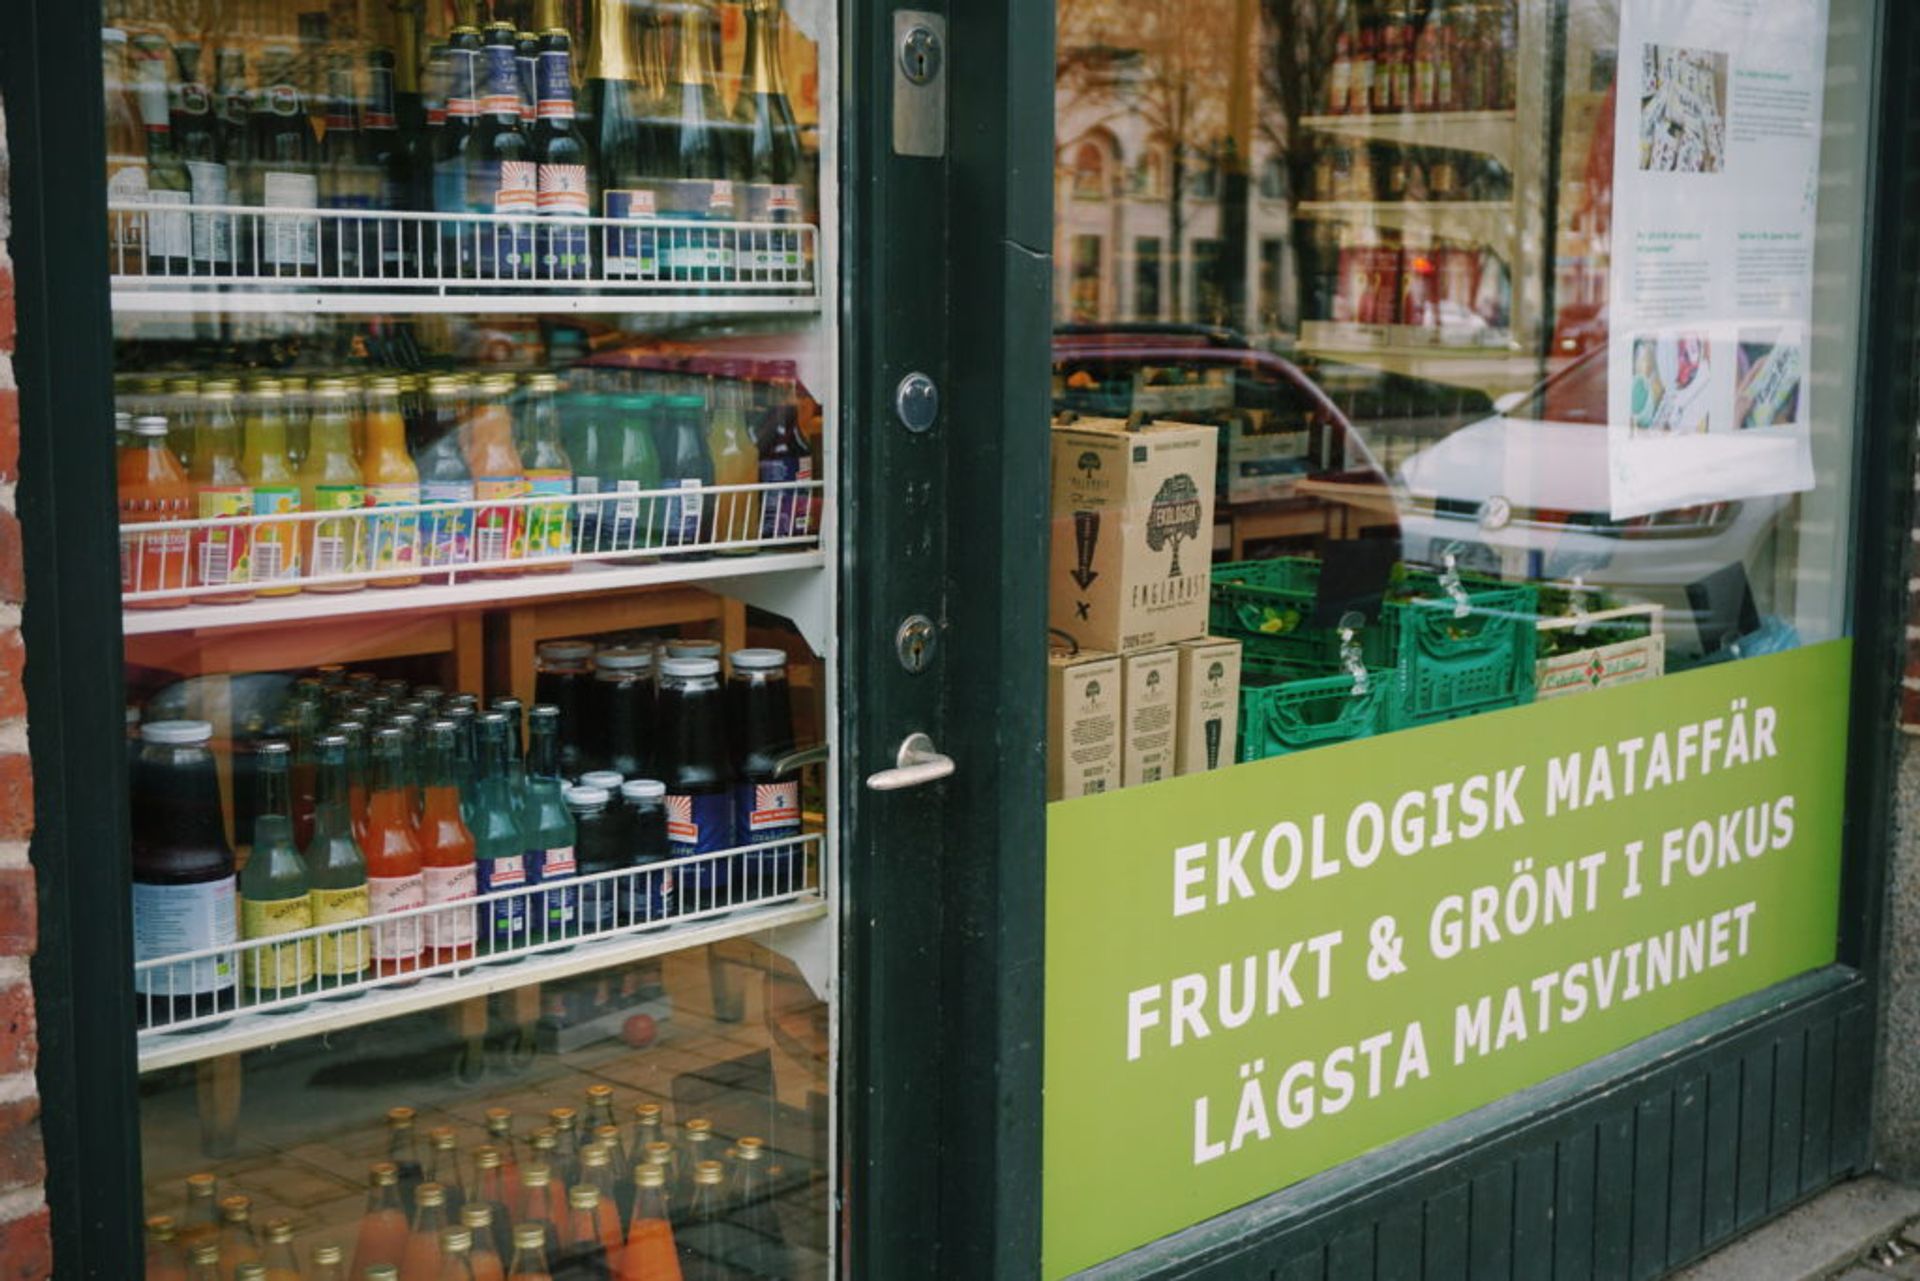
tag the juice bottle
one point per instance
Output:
(337, 871)
(785, 459)
(766, 804)
(446, 850)
(183, 879)
(392, 480)
(736, 460)
(394, 879)
(649, 1254)
(686, 464)
(529, 1254)
(588, 1239)
(329, 1263)
(500, 1138)
(543, 1207)
(484, 1222)
(238, 1242)
(631, 420)
(383, 1228)
(445, 537)
(220, 556)
(330, 480)
(282, 1263)
(276, 492)
(443, 1166)
(201, 1222)
(549, 529)
(456, 1255)
(275, 889)
(698, 773)
(764, 1248)
(166, 1261)
(421, 1259)
(499, 533)
(153, 490)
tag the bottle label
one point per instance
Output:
(284, 965)
(561, 904)
(549, 532)
(446, 537)
(195, 99)
(343, 953)
(397, 940)
(683, 514)
(394, 538)
(212, 233)
(505, 922)
(764, 813)
(448, 930)
(338, 545)
(631, 253)
(380, 104)
(283, 100)
(463, 100)
(171, 919)
(222, 555)
(518, 191)
(499, 533)
(503, 81)
(563, 190)
(169, 235)
(276, 548)
(554, 85)
(786, 513)
(701, 823)
(290, 242)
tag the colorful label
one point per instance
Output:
(463, 99)
(701, 823)
(276, 548)
(342, 954)
(635, 252)
(786, 512)
(683, 514)
(503, 81)
(289, 242)
(212, 233)
(395, 539)
(519, 189)
(553, 79)
(499, 533)
(561, 904)
(397, 940)
(221, 556)
(449, 930)
(338, 545)
(764, 812)
(563, 190)
(284, 965)
(446, 538)
(548, 528)
(504, 922)
(171, 919)
(586, 516)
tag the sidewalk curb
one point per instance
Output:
(1826, 1236)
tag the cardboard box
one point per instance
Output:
(1083, 724)
(1264, 466)
(1208, 720)
(1151, 681)
(1132, 533)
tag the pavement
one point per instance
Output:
(1865, 1230)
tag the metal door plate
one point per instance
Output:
(919, 83)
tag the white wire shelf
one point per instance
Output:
(227, 571)
(227, 1002)
(1486, 132)
(239, 258)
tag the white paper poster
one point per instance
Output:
(1716, 164)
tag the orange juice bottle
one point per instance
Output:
(736, 459)
(421, 1261)
(383, 1228)
(330, 481)
(446, 853)
(392, 480)
(282, 1264)
(499, 533)
(394, 879)
(276, 492)
(153, 490)
(650, 1254)
(529, 1254)
(220, 556)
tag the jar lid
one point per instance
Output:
(691, 667)
(643, 789)
(758, 660)
(150, 425)
(624, 658)
(587, 798)
(176, 732)
(609, 781)
(695, 648)
(578, 650)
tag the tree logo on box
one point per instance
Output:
(1175, 517)
(1089, 463)
(1216, 672)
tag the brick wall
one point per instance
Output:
(25, 1244)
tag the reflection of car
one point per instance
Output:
(1525, 493)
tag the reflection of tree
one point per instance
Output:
(1297, 52)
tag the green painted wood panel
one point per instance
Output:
(1852, 1088)
(1756, 1131)
(1400, 1255)
(1490, 1225)
(1816, 1138)
(1446, 1234)
(1789, 1105)
(1573, 1207)
(1613, 1196)
(1351, 1254)
(1311, 1266)
(1720, 1188)
(1533, 1192)
(1687, 1169)
(1652, 1157)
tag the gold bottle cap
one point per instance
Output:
(456, 1240)
(536, 1176)
(699, 1125)
(384, 386)
(383, 1174)
(325, 1255)
(544, 1139)
(443, 385)
(707, 1172)
(595, 1093)
(499, 1120)
(160, 1227)
(487, 1157)
(330, 387)
(279, 1230)
(563, 1118)
(382, 1272)
(476, 1215)
(219, 391)
(583, 1196)
(236, 1208)
(201, 1184)
(595, 1154)
(551, 382)
(183, 386)
(397, 1117)
(207, 1252)
(750, 1149)
(442, 1138)
(651, 1176)
(430, 1194)
(659, 1152)
(609, 1135)
(529, 1236)
(647, 1113)
(250, 1272)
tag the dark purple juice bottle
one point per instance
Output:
(184, 883)
(766, 801)
(698, 773)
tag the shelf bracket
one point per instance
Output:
(795, 595)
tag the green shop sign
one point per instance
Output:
(1256, 974)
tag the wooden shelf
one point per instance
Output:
(1490, 133)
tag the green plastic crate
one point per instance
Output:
(1294, 713)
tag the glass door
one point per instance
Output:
(477, 431)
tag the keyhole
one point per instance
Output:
(920, 55)
(914, 643)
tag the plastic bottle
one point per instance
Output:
(686, 464)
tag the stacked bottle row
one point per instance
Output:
(1396, 56)
(350, 445)
(581, 1198)
(1459, 291)
(1367, 172)
(489, 122)
(380, 804)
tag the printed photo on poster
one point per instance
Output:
(1769, 374)
(1683, 110)
(1671, 373)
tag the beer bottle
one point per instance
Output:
(183, 875)
(456, 1255)
(526, 60)
(274, 887)
(349, 244)
(204, 1263)
(337, 870)
(276, 492)
(529, 1253)
(406, 157)
(650, 1248)
(685, 464)
(550, 838)
(564, 161)
(764, 1253)
(499, 852)
(166, 1261)
(421, 1261)
(394, 879)
(486, 1223)
(220, 556)
(456, 153)
(387, 152)
(238, 1242)
(490, 1195)
(616, 111)
(766, 802)
(702, 134)
(169, 233)
(126, 156)
(330, 480)
(283, 173)
(503, 178)
(196, 140)
(328, 1260)
(701, 1238)
(383, 1228)
(770, 137)
(282, 1263)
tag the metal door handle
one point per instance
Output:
(918, 763)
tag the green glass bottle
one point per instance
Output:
(548, 831)
(274, 888)
(337, 870)
(500, 856)
(636, 469)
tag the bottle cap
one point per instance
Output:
(273, 747)
(623, 658)
(690, 668)
(699, 1125)
(687, 402)
(201, 1184)
(499, 1120)
(562, 1117)
(543, 711)
(382, 1272)
(750, 1149)
(695, 648)
(150, 425)
(384, 386)
(456, 1240)
(486, 1157)
(643, 789)
(529, 1236)
(207, 1252)
(609, 781)
(648, 1113)
(475, 1214)
(659, 1151)
(250, 1272)
(758, 660)
(707, 1172)
(160, 1227)
(536, 1176)
(587, 798)
(279, 1230)
(236, 1208)
(328, 1254)
(430, 1194)
(565, 651)
(383, 1174)
(596, 1154)
(543, 382)
(442, 1138)
(583, 1196)
(176, 733)
(650, 1176)
(399, 1116)
(595, 1093)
